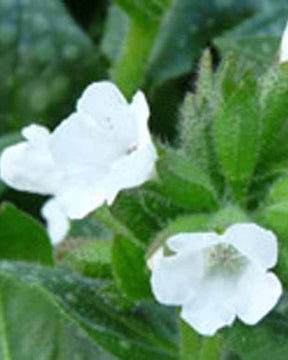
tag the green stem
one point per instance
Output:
(128, 72)
(196, 347)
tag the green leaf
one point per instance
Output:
(46, 61)
(143, 331)
(265, 341)
(187, 27)
(131, 210)
(33, 327)
(273, 101)
(237, 126)
(278, 192)
(89, 257)
(185, 184)
(116, 29)
(256, 41)
(22, 237)
(130, 270)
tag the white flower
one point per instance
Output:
(103, 147)
(284, 46)
(57, 221)
(218, 277)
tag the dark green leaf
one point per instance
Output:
(129, 267)
(46, 61)
(143, 331)
(34, 328)
(22, 237)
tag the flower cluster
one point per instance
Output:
(104, 147)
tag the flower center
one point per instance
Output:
(223, 257)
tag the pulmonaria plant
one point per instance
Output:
(215, 278)
(103, 147)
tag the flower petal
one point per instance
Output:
(257, 244)
(175, 278)
(140, 109)
(57, 221)
(155, 258)
(211, 307)
(193, 241)
(131, 170)
(78, 145)
(28, 166)
(107, 107)
(284, 46)
(81, 195)
(257, 293)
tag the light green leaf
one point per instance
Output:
(122, 328)
(237, 126)
(273, 102)
(22, 237)
(185, 184)
(89, 257)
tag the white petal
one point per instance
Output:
(193, 241)
(175, 278)
(57, 221)
(81, 194)
(155, 259)
(140, 109)
(131, 170)
(28, 165)
(257, 244)
(78, 144)
(284, 46)
(107, 108)
(211, 307)
(257, 294)
(100, 96)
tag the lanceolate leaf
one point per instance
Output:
(129, 331)
(237, 127)
(35, 327)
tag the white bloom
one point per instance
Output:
(100, 149)
(57, 221)
(284, 46)
(155, 258)
(218, 277)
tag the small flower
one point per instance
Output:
(103, 147)
(284, 46)
(218, 277)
